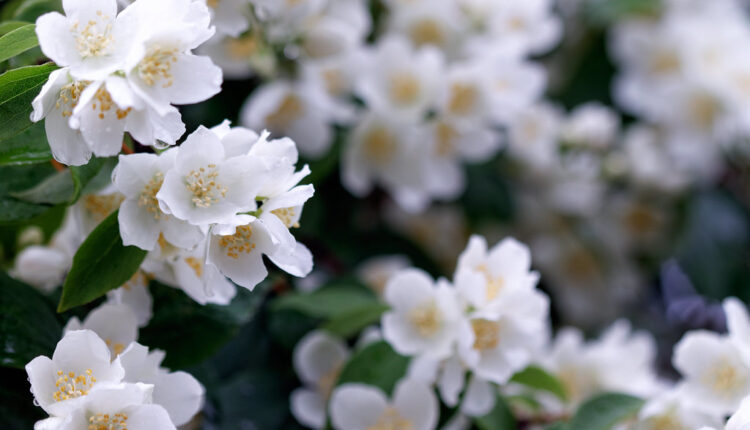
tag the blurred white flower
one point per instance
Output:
(116, 324)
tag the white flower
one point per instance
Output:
(377, 271)
(116, 324)
(668, 410)
(135, 295)
(178, 392)
(362, 407)
(424, 317)
(118, 406)
(318, 360)
(740, 420)
(139, 178)
(205, 187)
(716, 377)
(168, 73)
(497, 343)
(41, 266)
(230, 16)
(533, 135)
(90, 38)
(529, 25)
(400, 82)
(591, 125)
(436, 23)
(302, 111)
(80, 362)
(484, 277)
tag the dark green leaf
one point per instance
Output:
(537, 378)
(604, 411)
(252, 400)
(55, 189)
(17, 41)
(92, 176)
(30, 10)
(18, 87)
(327, 302)
(28, 326)
(28, 147)
(102, 263)
(500, 418)
(211, 326)
(376, 364)
(352, 322)
(558, 426)
(15, 179)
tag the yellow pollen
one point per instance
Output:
(70, 386)
(203, 186)
(494, 284)
(108, 422)
(69, 96)
(580, 264)
(426, 319)
(725, 379)
(286, 215)
(640, 219)
(404, 88)
(665, 62)
(486, 333)
(242, 48)
(328, 381)
(665, 422)
(147, 198)
(703, 110)
(92, 40)
(105, 104)
(445, 136)
(290, 109)
(238, 243)
(212, 3)
(427, 32)
(117, 348)
(157, 65)
(463, 99)
(196, 265)
(392, 420)
(101, 206)
(334, 81)
(517, 23)
(380, 145)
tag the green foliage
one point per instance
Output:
(210, 326)
(16, 179)
(539, 379)
(376, 364)
(327, 302)
(28, 326)
(605, 411)
(101, 264)
(606, 12)
(27, 147)
(17, 41)
(18, 87)
(500, 418)
(349, 324)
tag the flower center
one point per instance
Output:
(116, 347)
(105, 104)
(426, 319)
(725, 379)
(242, 48)
(666, 422)
(664, 62)
(196, 265)
(427, 32)
(92, 40)
(238, 243)
(101, 206)
(704, 109)
(147, 198)
(203, 186)
(486, 333)
(463, 99)
(287, 216)
(69, 96)
(494, 284)
(445, 136)
(334, 81)
(328, 381)
(380, 145)
(108, 422)
(404, 88)
(157, 65)
(69, 385)
(289, 110)
(392, 420)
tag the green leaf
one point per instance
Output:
(56, 189)
(28, 326)
(327, 302)
(376, 364)
(92, 176)
(558, 426)
(28, 147)
(605, 12)
(17, 41)
(211, 326)
(8, 26)
(348, 324)
(539, 379)
(15, 179)
(499, 418)
(30, 10)
(605, 411)
(18, 87)
(102, 263)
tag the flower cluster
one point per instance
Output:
(434, 88)
(100, 377)
(121, 72)
(214, 206)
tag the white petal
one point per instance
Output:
(416, 402)
(180, 394)
(309, 408)
(317, 354)
(479, 398)
(356, 407)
